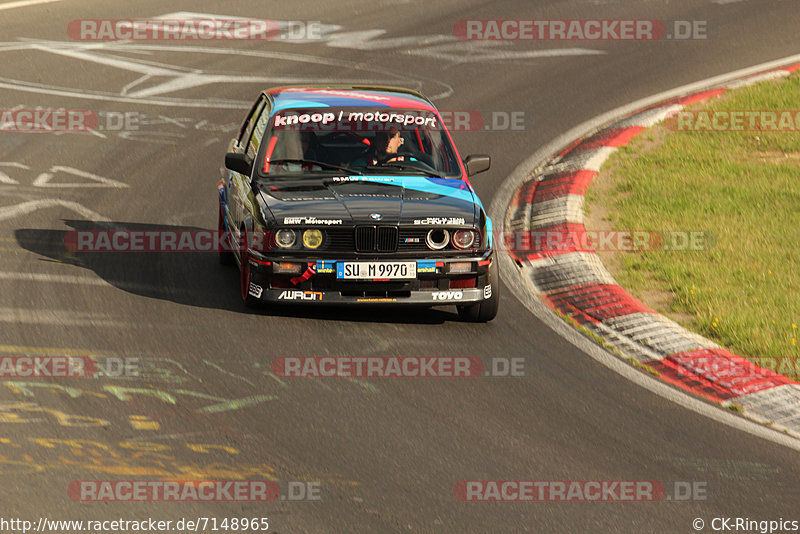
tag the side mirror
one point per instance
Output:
(239, 163)
(476, 163)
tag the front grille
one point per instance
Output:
(376, 239)
(387, 239)
(365, 238)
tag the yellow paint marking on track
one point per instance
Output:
(142, 422)
(199, 447)
(10, 413)
(25, 388)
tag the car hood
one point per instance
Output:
(350, 200)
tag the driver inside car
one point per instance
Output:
(385, 144)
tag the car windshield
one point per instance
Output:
(357, 141)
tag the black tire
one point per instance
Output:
(244, 277)
(225, 256)
(487, 310)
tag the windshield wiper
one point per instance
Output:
(413, 168)
(329, 166)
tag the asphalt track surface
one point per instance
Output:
(386, 453)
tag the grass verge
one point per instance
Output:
(741, 189)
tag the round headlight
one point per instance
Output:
(463, 238)
(312, 238)
(437, 238)
(285, 238)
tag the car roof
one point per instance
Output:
(346, 96)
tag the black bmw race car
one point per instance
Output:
(355, 195)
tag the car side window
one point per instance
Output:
(257, 134)
(247, 128)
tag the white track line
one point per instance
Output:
(25, 3)
(521, 288)
(26, 208)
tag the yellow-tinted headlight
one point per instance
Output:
(312, 238)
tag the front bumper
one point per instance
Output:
(436, 283)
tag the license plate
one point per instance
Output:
(380, 270)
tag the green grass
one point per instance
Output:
(742, 188)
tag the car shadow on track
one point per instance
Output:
(190, 278)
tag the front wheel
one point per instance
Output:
(485, 311)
